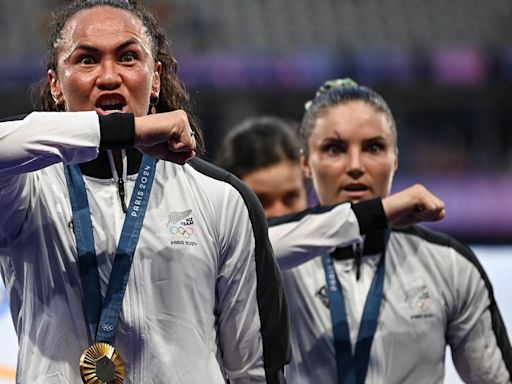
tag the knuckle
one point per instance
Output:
(182, 115)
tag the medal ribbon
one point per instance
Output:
(352, 368)
(103, 315)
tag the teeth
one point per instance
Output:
(111, 101)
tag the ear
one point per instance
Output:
(155, 86)
(396, 160)
(304, 163)
(55, 87)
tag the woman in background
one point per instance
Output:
(265, 152)
(384, 308)
(434, 292)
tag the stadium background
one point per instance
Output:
(444, 66)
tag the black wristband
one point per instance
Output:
(370, 215)
(117, 131)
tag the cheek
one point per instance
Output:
(76, 89)
(300, 204)
(325, 176)
(384, 177)
(76, 81)
(141, 84)
(140, 90)
(326, 170)
(141, 80)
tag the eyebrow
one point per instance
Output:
(344, 140)
(373, 138)
(87, 47)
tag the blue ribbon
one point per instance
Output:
(352, 369)
(103, 315)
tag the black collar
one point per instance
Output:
(374, 243)
(100, 166)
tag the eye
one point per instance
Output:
(128, 57)
(86, 60)
(333, 148)
(265, 202)
(375, 147)
(290, 198)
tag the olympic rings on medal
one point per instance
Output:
(185, 232)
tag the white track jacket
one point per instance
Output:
(436, 293)
(204, 301)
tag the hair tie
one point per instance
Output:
(330, 84)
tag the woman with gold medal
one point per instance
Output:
(125, 258)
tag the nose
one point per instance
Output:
(109, 76)
(277, 208)
(355, 166)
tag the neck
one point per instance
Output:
(101, 167)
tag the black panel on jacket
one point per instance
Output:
(271, 298)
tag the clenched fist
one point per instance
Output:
(411, 206)
(166, 136)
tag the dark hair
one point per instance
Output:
(173, 94)
(256, 143)
(341, 91)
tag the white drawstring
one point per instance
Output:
(125, 163)
(113, 165)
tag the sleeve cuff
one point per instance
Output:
(370, 215)
(117, 131)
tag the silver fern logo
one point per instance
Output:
(181, 227)
(174, 217)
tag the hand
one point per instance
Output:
(166, 136)
(412, 205)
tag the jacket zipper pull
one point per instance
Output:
(358, 257)
(120, 189)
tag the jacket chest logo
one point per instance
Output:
(420, 303)
(180, 225)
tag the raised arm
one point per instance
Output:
(41, 139)
(297, 238)
(45, 138)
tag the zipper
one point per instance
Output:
(358, 256)
(120, 181)
(120, 189)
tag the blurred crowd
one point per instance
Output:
(445, 68)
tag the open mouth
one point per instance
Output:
(355, 187)
(110, 104)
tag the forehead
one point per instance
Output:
(353, 119)
(275, 179)
(101, 24)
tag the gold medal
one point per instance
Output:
(101, 364)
